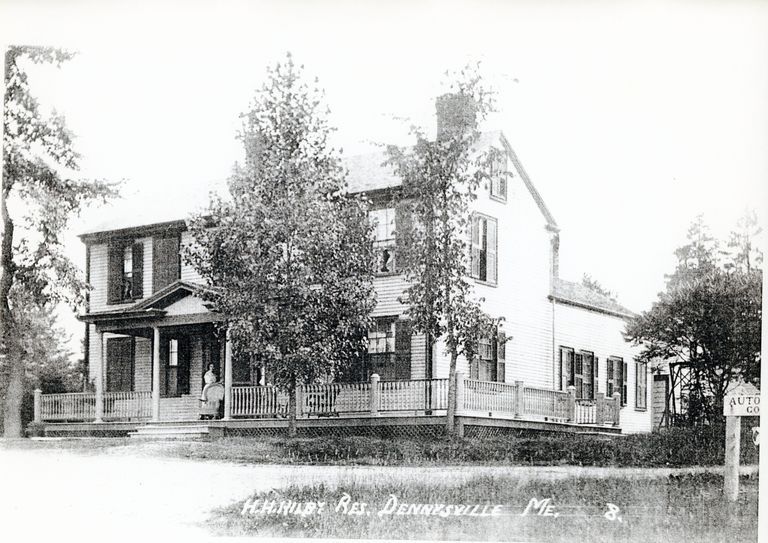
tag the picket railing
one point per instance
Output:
(259, 401)
(127, 405)
(414, 395)
(370, 398)
(544, 403)
(490, 397)
(74, 406)
(585, 412)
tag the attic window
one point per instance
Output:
(498, 177)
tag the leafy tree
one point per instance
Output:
(708, 318)
(48, 365)
(594, 285)
(439, 182)
(289, 257)
(39, 195)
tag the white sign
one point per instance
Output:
(742, 405)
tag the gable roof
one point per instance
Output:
(578, 295)
(168, 295)
(367, 172)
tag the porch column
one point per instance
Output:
(99, 378)
(155, 374)
(228, 378)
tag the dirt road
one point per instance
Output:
(116, 495)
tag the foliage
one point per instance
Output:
(48, 366)
(439, 181)
(594, 285)
(708, 318)
(40, 193)
(289, 257)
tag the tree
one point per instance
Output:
(289, 257)
(709, 318)
(39, 195)
(439, 182)
(48, 365)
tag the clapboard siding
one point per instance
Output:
(388, 289)
(188, 273)
(99, 263)
(524, 275)
(583, 329)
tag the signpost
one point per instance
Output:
(743, 401)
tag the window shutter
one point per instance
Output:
(503, 184)
(624, 384)
(595, 373)
(501, 355)
(165, 261)
(114, 273)
(475, 247)
(138, 270)
(578, 377)
(609, 378)
(402, 350)
(491, 250)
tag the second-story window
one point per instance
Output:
(484, 249)
(384, 239)
(125, 281)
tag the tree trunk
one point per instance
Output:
(14, 394)
(451, 415)
(292, 411)
(15, 390)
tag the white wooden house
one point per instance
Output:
(565, 361)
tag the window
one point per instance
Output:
(125, 271)
(616, 378)
(484, 246)
(578, 370)
(389, 350)
(173, 352)
(498, 177)
(490, 364)
(641, 385)
(384, 239)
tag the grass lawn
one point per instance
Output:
(689, 507)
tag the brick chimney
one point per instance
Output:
(456, 112)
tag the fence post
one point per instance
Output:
(600, 408)
(38, 405)
(616, 408)
(375, 394)
(459, 392)
(572, 403)
(519, 399)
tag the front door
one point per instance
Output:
(176, 358)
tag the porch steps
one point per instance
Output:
(165, 431)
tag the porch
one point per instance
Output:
(343, 404)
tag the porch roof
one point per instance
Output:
(151, 308)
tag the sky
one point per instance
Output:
(630, 117)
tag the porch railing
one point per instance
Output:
(490, 397)
(73, 406)
(414, 395)
(547, 404)
(259, 401)
(426, 396)
(127, 405)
